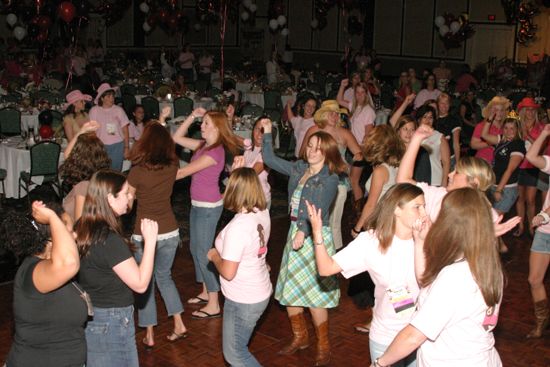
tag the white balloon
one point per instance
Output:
(245, 16)
(314, 23)
(273, 24)
(19, 33)
(253, 8)
(281, 19)
(439, 21)
(11, 19)
(444, 29)
(146, 27)
(284, 32)
(455, 26)
(144, 7)
(247, 3)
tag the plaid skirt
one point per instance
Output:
(299, 283)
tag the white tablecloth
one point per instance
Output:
(240, 86)
(204, 102)
(258, 98)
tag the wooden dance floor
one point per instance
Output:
(203, 346)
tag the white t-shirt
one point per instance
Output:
(452, 314)
(390, 270)
(240, 242)
(545, 228)
(433, 145)
(362, 117)
(300, 126)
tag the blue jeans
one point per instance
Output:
(116, 153)
(239, 321)
(162, 275)
(111, 338)
(202, 230)
(377, 349)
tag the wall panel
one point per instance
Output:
(387, 27)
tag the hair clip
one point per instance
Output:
(34, 224)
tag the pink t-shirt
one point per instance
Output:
(454, 317)
(111, 121)
(204, 183)
(135, 131)
(300, 126)
(251, 157)
(534, 134)
(488, 153)
(545, 228)
(362, 117)
(433, 196)
(240, 242)
(390, 270)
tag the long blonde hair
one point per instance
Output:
(480, 174)
(464, 229)
(368, 98)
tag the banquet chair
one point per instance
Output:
(252, 110)
(183, 106)
(143, 90)
(213, 92)
(44, 162)
(201, 86)
(12, 97)
(151, 107)
(3, 175)
(272, 100)
(128, 89)
(10, 121)
(274, 115)
(45, 95)
(128, 103)
(287, 144)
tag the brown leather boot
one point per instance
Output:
(301, 336)
(322, 358)
(542, 316)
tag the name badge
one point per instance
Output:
(401, 300)
(111, 129)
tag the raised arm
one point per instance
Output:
(406, 168)
(489, 139)
(325, 264)
(399, 112)
(289, 112)
(445, 160)
(270, 159)
(340, 96)
(64, 262)
(180, 135)
(533, 154)
(86, 128)
(137, 277)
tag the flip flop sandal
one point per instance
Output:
(197, 301)
(206, 315)
(173, 337)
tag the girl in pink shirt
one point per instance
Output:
(239, 256)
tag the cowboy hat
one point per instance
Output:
(329, 105)
(103, 88)
(527, 102)
(76, 96)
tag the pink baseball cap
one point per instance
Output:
(76, 96)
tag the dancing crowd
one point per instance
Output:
(427, 227)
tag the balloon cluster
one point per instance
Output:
(453, 30)
(249, 9)
(277, 18)
(36, 19)
(526, 30)
(323, 6)
(166, 14)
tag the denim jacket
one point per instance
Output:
(319, 189)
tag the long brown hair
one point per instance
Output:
(155, 149)
(382, 145)
(225, 135)
(329, 148)
(382, 219)
(464, 229)
(244, 191)
(87, 157)
(98, 218)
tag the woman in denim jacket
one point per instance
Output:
(314, 179)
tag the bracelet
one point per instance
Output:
(377, 364)
(319, 243)
(355, 231)
(545, 216)
(499, 191)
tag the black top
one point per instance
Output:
(447, 125)
(422, 167)
(49, 327)
(98, 278)
(503, 151)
